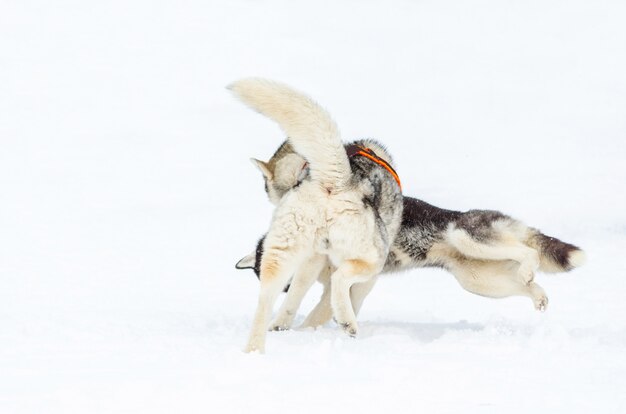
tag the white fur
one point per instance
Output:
(497, 279)
(322, 216)
(510, 248)
(323, 310)
(304, 217)
(310, 129)
(306, 275)
(577, 258)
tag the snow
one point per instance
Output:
(127, 197)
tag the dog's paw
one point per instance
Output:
(278, 327)
(281, 323)
(541, 303)
(349, 328)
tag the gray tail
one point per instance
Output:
(555, 255)
(309, 128)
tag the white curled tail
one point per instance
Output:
(308, 127)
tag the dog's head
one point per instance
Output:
(282, 172)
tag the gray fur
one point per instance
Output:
(424, 239)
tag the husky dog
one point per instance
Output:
(347, 212)
(489, 253)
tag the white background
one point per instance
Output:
(126, 197)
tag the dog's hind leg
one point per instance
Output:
(276, 269)
(359, 291)
(347, 274)
(304, 278)
(497, 279)
(508, 249)
(323, 311)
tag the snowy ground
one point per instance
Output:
(127, 197)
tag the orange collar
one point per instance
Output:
(353, 150)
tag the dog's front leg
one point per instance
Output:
(303, 280)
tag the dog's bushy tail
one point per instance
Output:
(554, 254)
(309, 128)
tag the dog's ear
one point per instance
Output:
(264, 167)
(304, 170)
(247, 262)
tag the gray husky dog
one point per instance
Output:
(347, 212)
(489, 253)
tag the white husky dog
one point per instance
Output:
(347, 212)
